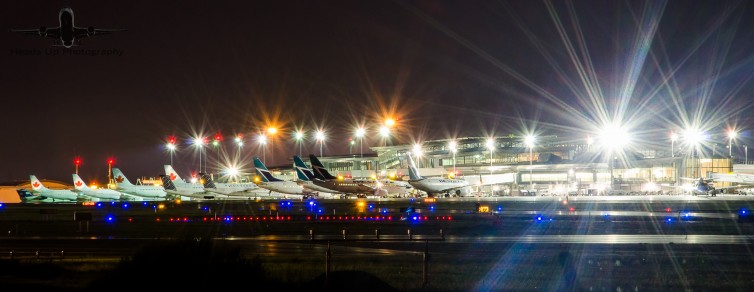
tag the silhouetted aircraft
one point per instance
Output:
(66, 32)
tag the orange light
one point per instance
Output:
(389, 122)
(272, 130)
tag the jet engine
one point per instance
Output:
(42, 31)
(90, 31)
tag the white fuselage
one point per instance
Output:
(438, 185)
(143, 191)
(285, 187)
(63, 195)
(235, 189)
(103, 194)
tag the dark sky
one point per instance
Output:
(443, 68)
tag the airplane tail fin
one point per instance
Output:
(207, 180)
(36, 184)
(78, 183)
(167, 183)
(319, 169)
(172, 174)
(302, 171)
(119, 178)
(413, 172)
(263, 171)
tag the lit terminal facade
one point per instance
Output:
(507, 166)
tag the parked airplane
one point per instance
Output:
(436, 185)
(170, 188)
(66, 32)
(275, 184)
(741, 178)
(60, 195)
(704, 187)
(248, 190)
(105, 194)
(346, 186)
(124, 185)
(182, 188)
(306, 177)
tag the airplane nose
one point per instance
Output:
(67, 44)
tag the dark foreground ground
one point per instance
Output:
(54, 252)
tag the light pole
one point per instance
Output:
(491, 147)
(262, 139)
(693, 137)
(76, 162)
(453, 147)
(171, 147)
(673, 138)
(216, 144)
(299, 139)
(320, 136)
(385, 133)
(199, 142)
(360, 134)
(530, 139)
(731, 135)
(746, 154)
(239, 143)
(110, 162)
(418, 153)
(271, 131)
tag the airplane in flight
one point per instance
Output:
(124, 185)
(66, 32)
(247, 190)
(180, 187)
(60, 195)
(274, 184)
(436, 185)
(306, 177)
(104, 194)
(346, 186)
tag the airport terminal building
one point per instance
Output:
(507, 166)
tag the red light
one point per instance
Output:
(110, 161)
(667, 210)
(158, 219)
(171, 140)
(77, 161)
(218, 137)
(572, 209)
(308, 218)
(130, 219)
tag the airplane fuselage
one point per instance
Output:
(285, 187)
(67, 33)
(438, 185)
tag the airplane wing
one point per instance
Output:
(53, 32)
(81, 32)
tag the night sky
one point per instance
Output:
(442, 68)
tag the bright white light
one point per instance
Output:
(384, 131)
(589, 140)
(193, 180)
(732, 134)
(418, 150)
(453, 146)
(360, 132)
(232, 171)
(389, 122)
(199, 141)
(272, 130)
(299, 135)
(320, 135)
(673, 137)
(530, 140)
(614, 136)
(171, 146)
(262, 139)
(490, 144)
(693, 136)
(238, 140)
